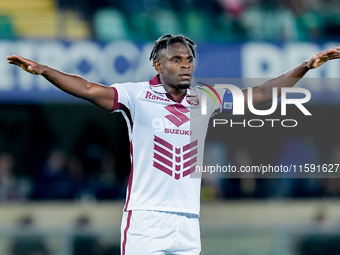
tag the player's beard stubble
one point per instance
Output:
(183, 86)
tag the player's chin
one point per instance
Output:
(183, 85)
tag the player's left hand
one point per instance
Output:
(322, 57)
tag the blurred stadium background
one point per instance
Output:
(64, 164)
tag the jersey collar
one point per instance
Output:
(157, 86)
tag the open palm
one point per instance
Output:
(322, 57)
(26, 64)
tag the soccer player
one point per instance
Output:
(161, 214)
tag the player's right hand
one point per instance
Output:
(26, 64)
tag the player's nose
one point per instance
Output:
(187, 65)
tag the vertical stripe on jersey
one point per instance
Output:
(127, 115)
(125, 232)
(130, 180)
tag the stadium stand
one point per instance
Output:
(6, 26)
(110, 24)
(39, 19)
(33, 18)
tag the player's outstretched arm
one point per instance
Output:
(97, 94)
(263, 93)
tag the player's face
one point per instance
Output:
(176, 66)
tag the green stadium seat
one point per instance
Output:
(6, 27)
(198, 25)
(308, 25)
(110, 24)
(166, 21)
(255, 253)
(140, 24)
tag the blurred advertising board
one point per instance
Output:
(122, 61)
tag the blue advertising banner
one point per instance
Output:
(123, 61)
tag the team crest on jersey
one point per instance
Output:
(177, 162)
(192, 100)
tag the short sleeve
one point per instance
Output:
(125, 93)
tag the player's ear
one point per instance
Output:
(158, 66)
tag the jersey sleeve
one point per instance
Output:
(125, 93)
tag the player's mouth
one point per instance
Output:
(185, 76)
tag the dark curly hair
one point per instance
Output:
(164, 41)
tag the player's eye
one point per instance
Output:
(175, 60)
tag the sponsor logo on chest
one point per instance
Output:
(152, 96)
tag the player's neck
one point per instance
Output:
(175, 92)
